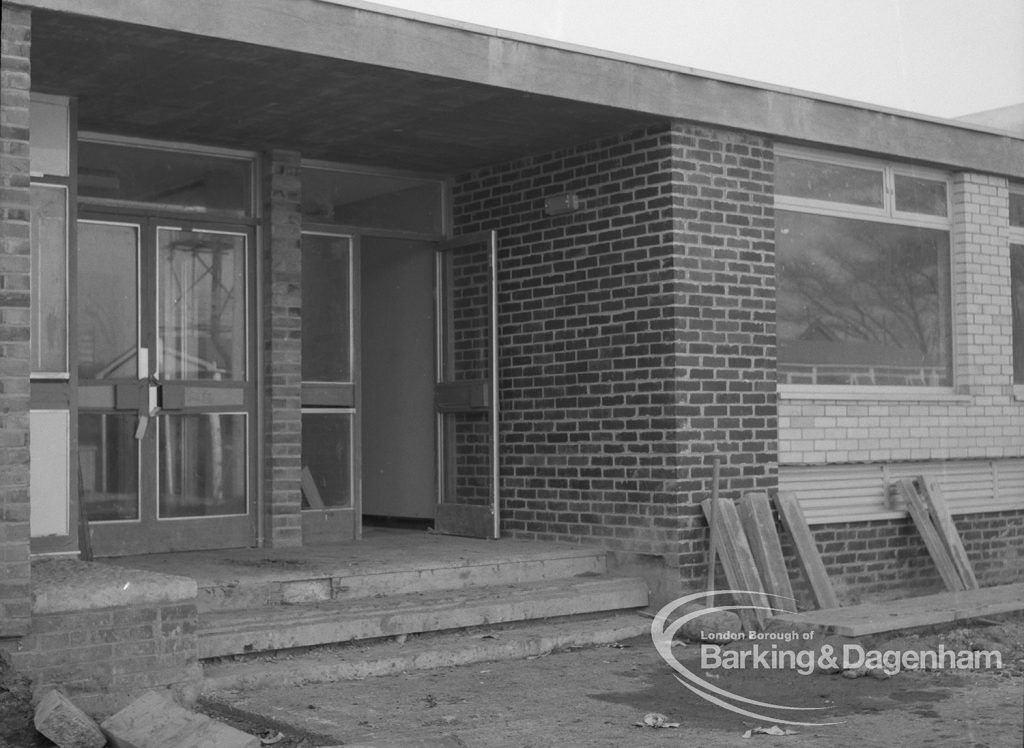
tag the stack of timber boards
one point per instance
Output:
(928, 509)
(744, 536)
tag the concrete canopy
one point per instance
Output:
(344, 80)
(146, 82)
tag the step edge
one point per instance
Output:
(614, 630)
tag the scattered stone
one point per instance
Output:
(154, 720)
(65, 724)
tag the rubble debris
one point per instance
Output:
(656, 719)
(773, 730)
(154, 720)
(65, 724)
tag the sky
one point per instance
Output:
(942, 58)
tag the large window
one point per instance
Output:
(1017, 279)
(862, 256)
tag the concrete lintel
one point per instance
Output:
(482, 56)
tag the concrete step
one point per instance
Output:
(396, 577)
(358, 660)
(233, 632)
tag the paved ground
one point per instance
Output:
(594, 697)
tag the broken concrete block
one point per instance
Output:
(718, 626)
(65, 724)
(155, 721)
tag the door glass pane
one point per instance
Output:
(49, 279)
(107, 300)
(202, 464)
(201, 280)
(326, 460)
(326, 308)
(108, 465)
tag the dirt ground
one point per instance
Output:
(595, 697)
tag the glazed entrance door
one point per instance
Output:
(465, 396)
(166, 399)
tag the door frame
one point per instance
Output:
(341, 523)
(453, 398)
(157, 534)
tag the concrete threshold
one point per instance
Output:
(437, 650)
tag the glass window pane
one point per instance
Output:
(372, 200)
(49, 279)
(201, 279)
(917, 195)
(107, 300)
(1017, 209)
(862, 303)
(833, 182)
(326, 308)
(49, 135)
(1017, 302)
(326, 460)
(153, 176)
(108, 466)
(202, 465)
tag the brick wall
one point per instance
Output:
(102, 659)
(15, 253)
(885, 557)
(636, 334)
(282, 362)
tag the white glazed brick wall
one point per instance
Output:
(982, 419)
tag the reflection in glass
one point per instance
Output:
(1017, 304)
(49, 279)
(201, 277)
(326, 460)
(917, 195)
(396, 203)
(202, 465)
(108, 466)
(1017, 209)
(823, 181)
(107, 300)
(198, 181)
(862, 302)
(466, 313)
(326, 308)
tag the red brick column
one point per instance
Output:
(15, 262)
(282, 350)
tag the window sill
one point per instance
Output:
(873, 394)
